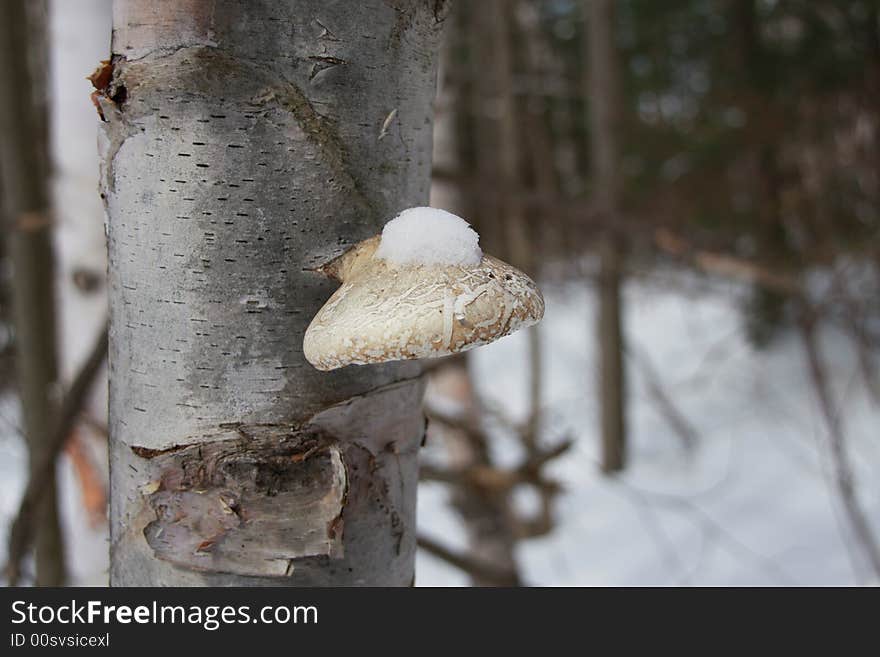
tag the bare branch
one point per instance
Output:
(22, 532)
(667, 408)
(726, 265)
(843, 474)
(476, 568)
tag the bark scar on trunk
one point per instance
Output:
(321, 129)
(251, 505)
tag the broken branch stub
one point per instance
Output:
(386, 310)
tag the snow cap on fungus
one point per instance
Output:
(421, 289)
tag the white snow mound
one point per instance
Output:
(428, 236)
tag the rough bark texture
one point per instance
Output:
(25, 172)
(604, 93)
(246, 143)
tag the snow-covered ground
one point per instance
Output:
(751, 505)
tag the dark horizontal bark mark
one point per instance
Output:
(248, 506)
(147, 453)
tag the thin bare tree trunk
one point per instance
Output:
(604, 112)
(246, 143)
(497, 31)
(540, 154)
(486, 517)
(25, 170)
(842, 470)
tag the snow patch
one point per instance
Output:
(428, 236)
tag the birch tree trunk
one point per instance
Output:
(24, 173)
(604, 93)
(244, 145)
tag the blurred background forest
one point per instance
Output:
(694, 183)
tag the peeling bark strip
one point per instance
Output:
(231, 167)
(248, 505)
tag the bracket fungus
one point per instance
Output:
(421, 289)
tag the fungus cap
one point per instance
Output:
(386, 310)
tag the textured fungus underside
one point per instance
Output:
(384, 311)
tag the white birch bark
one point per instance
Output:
(246, 143)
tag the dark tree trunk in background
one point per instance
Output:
(245, 144)
(496, 155)
(604, 111)
(24, 167)
(497, 31)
